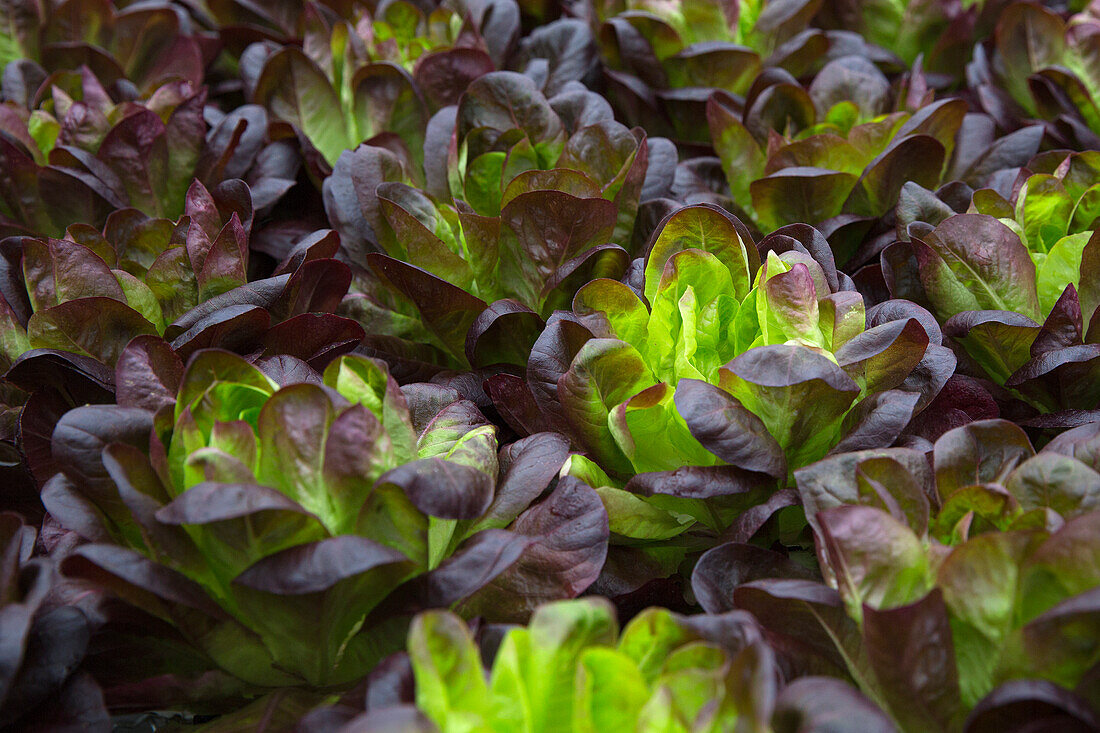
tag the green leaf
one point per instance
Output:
(587, 471)
(450, 686)
(1061, 267)
(295, 90)
(809, 195)
(704, 228)
(875, 558)
(604, 374)
(653, 435)
(44, 129)
(366, 382)
(1067, 564)
(692, 315)
(632, 516)
(988, 259)
(13, 337)
(141, 298)
(537, 666)
(1043, 201)
(651, 637)
(978, 580)
(95, 327)
(742, 159)
(482, 186)
(293, 426)
(623, 310)
(610, 692)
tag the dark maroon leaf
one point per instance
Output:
(447, 310)
(208, 502)
(911, 651)
(749, 522)
(569, 531)
(317, 566)
(503, 333)
(137, 578)
(147, 374)
(1063, 326)
(980, 452)
(551, 357)
(918, 158)
(987, 258)
(877, 421)
(349, 194)
(233, 144)
(261, 293)
(233, 328)
(320, 245)
(930, 374)
(54, 647)
(136, 150)
(1031, 704)
(1081, 443)
(698, 482)
(883, 356)
(83, 433)
(397, 719)
(854, 79)
(72, 511)
(721, 423)
(444, 75)
(806, 239)
(722, 569)
(284, 369)
(1006, 152)
(479, 561)
(526, 469)
(550, 229)
(803, 617)
(315, 287)
(514, 402)
(426, 400)
(84, 378)
(826, 703)
(391, 682)
(315, 338)
(77, 708)
(1062, 420)
(442, 488)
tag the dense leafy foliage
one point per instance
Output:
(493, 365)
(272, 503)
(570, 669)
(1007, 277)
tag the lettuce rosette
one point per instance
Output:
(693, 397)
(572, 669)
(1015, 283)
(373, 74)
(663, 60)
(539, 196)
(281, 526)
(974, 576)
(76, 150)
(1042, 65)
